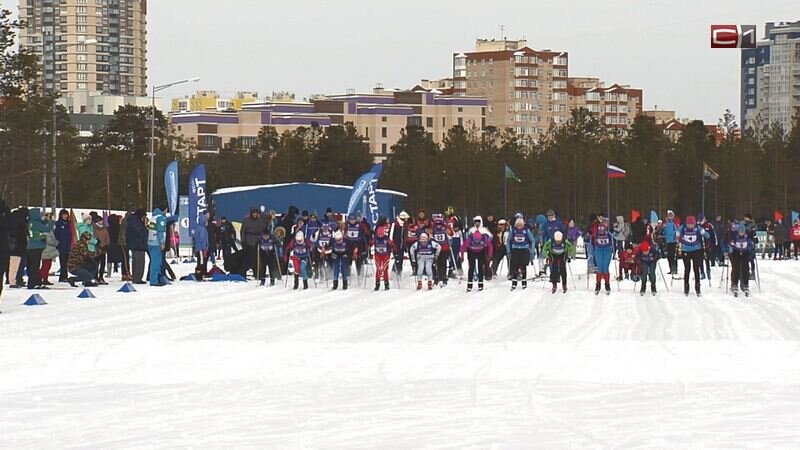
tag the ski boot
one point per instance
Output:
(564, 288)
(641, 292)
(386, 285)
(430, 285)
(469, 287)
(377, 285)
(480, 287)
(735, 291)
(305, 284)
(513, 285)
(746, 292)
(597, 288)
(272, 281)
(296, 282)
(335, 285)
(419, 285)
(344, 284)
(524, 284)
(262, 282)
(608, 288)
(653, 291)
(555, 288)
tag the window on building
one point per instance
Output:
(461, 121)
(383, 119)
(384, 132)
(429, 122)
(366, 132)
(443, 124)
(99, 109)
(384, 148)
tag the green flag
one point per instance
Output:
(510, 174)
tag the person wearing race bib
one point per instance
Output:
(690, 246)
(603, 247)
(300, 250)
(383, 247)
(519, 244)
(322, 248)
(647, 256)
(268, 246)
(397, 233)
(741, 248)
(558, 252)
(478, 247)
(356, 238)
(441, 235)
(670, 229)
(795, 238)
(424, 252)
(340, 255)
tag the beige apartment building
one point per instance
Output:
(526, 89)
(380, 117)
(616, 106)
(58, 31)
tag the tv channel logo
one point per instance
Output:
(733, 36)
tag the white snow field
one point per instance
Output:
(232, 365)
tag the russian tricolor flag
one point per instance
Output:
(614, 171)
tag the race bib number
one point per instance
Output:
(690, 238)
(519, 239)
(441, 237)
(741, 245)
(352, 234)
(603, 241)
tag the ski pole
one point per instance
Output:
(663, 277)
(758, 277)
(572, 277)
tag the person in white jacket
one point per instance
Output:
(424, 252)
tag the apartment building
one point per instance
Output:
(379, 116)
(95, 46)
(616, 106)
(770, 77)
(213, 101)
(526, 89)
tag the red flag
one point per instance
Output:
(778, 216)
(635, 215)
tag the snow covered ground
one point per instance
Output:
(210, 365)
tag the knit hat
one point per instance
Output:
(558, 236)
(423, 236)
(403, 215)
(741, 229)
(644, 247)
(690, 220)
(338, 235)
(299, 236)
(519, 223)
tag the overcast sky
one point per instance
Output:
(325, 46)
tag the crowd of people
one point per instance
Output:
(303, 246)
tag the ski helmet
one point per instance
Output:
(423, 237)
(741, 229)
(299, 236)
(691, 220)
(558, 236)
(403, 215)
(644, 247)
(477, 235)
(338, 235)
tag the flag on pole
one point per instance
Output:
(635, 214)
(510, 174)
(778, 215)
(653, 217)
(708, 172)
(795, 216)
(614, 171)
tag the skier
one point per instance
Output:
(383, 247)
(340, 255)
(398, 236)
(708, 248)
(519, 245)
(603, 248)
(690, 246)
(155, 243)
(423, 253)
(647, 256)
(479, 250)
(741, 252)
(200, 238)
(559, 252)
(500, 239)
(670, 229)
(456, 239)
(357, 240)
(300, 250)
(227, 237)
(322, 244)
(267, 247)
(441, 234)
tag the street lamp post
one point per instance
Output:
(54, 166)
(158, 88)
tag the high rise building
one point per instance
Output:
(770, 80)
(616, 106)
(526, 88)
(97, 47)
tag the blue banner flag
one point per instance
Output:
(795, 216)
(198, 200)
(653, 217)
(171, 185)
(366, 185)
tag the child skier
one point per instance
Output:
(519, 244)
(690, 247)
(478, 247)
(267, 247)
(741, 252)
(647, 256)
(423, 254)
(602, 247)
(558, 252)
(384, 247)
(340, 255)
(627, 263)
(441, 235)
(300, 250)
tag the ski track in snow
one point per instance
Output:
(233, 365)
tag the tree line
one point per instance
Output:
(565, 171)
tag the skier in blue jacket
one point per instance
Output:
(670, 228)
(200, 236)
(519, 245)
(690, 246)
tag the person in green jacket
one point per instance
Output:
(38, 227)
(86, 227)
(559, 252)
